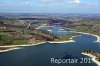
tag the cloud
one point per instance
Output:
(77, 1)
(28, 3)
(51, 3)
(73, 2)
(66, 4)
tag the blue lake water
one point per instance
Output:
(40, 55)
(56, 30)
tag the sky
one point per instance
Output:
(50, 6)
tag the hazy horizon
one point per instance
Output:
(50, 6)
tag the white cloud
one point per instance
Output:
(77, 1)
(27, 3)
(52, 3)
(74, 2)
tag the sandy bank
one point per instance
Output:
(9, 49)
(23, 45)
(13, 47)
(93, 58)
(61, 41)
(43, 26)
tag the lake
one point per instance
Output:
(41, 55)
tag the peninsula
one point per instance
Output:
(94, 55)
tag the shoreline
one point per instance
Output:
(93, 58)
(43, 26)
(61, 41)
(10, 49)
(13, 47)
(98, 37)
